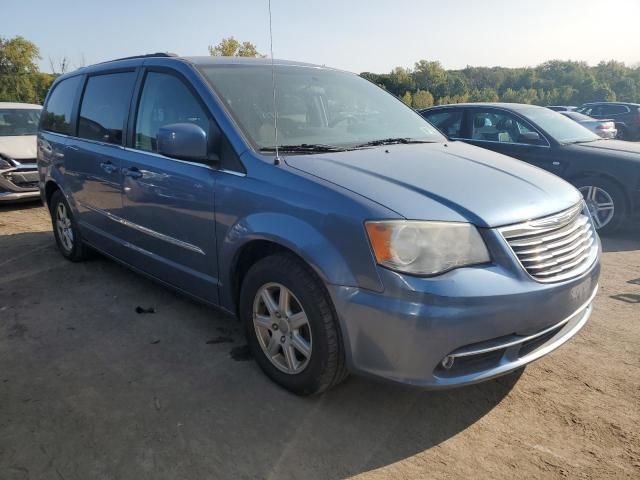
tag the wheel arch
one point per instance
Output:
(595, 174)
(49, 188)
(260, 235)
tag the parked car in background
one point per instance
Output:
(625, 115)
(561, 108)
(604, 128)
(607, 172)
(18, 169)
(362, 241)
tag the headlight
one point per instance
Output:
(425, 248)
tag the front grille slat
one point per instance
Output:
(533, 239)
(556, 247)
(556, 253)
(586, 229)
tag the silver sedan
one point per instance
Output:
(604, 128)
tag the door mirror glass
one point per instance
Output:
(185, 141)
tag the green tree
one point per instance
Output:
(407, 99)
(19, 75)
(431, 76)
(230, 47)
(484, 95)
(422, 99)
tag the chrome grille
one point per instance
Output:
(556, 247)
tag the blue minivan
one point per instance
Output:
(343, 230)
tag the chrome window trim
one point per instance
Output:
(136, 150)
(148, 231)
(187, 162)
(509, 143)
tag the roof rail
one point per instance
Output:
(147, 55)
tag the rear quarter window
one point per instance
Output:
(56, 116)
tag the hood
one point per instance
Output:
(618, 148)
(453, 182)
(19, 147)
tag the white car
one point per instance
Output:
(18, 170)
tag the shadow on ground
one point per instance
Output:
(27, 205)
(624, 240)
(91, 389)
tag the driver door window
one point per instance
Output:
(165, 100)
(498, 126)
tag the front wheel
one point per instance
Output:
(606, 203)
(65, 229)
(291, 326)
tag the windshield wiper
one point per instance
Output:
(306, 148)
(391, 141)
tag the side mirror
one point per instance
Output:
(185, 141)
(532, 138)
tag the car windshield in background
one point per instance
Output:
(316, 107)
(18, 121)
(561, 128)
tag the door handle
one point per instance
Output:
(108, 167)
(132, 172)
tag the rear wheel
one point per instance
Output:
(606, 203)
(65, 229)
(291, 326)
(622, 134)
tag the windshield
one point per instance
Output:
(18, 121)
(561, 128)
(316, 106)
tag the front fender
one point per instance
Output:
(292, 233)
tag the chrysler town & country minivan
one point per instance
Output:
(344, 231)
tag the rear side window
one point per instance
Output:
(104, 107)
(615, 110)
(165, 100)
(448, 122)
(57, 114)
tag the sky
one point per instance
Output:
(355, 35)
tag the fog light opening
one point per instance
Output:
(447, 362)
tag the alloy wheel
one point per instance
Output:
(63, 225)
(600, 205)
(282, 328)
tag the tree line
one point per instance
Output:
(428, 83)
(555, 82)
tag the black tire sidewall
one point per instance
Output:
(619, 201)
(297, 280)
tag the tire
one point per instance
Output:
(325, 366)
(622, 134)
(603, 189)
(65, 229)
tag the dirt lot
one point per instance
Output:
(90, 389)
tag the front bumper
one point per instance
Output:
(19, 184)
(490, 319)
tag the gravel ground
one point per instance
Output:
(90, 389)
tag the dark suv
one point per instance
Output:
(625, 115)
